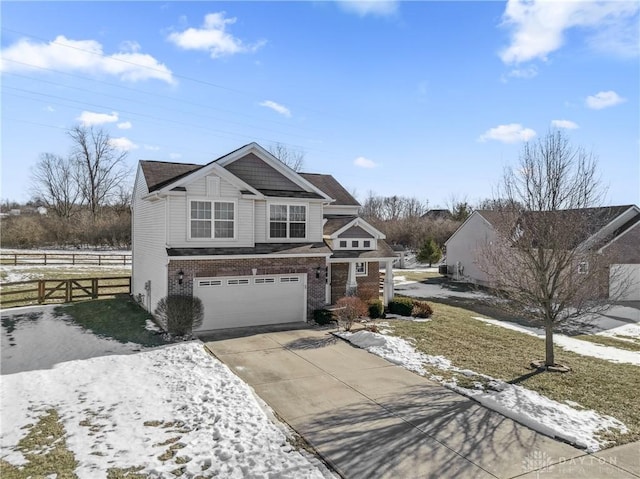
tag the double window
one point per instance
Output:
(287, 221)
(212, 219)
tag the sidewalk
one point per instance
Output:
(371, 419)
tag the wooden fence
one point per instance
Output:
(45, 291)
(15, 259)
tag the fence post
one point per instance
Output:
(99, 260)
(68, 295)
(40, 291)
(15, 260)
(94, 288)
(45, 259)
(73, 258)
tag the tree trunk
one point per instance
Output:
(549, 358)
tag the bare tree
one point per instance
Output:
(101, 166)
(291, 157)
(54, 184)
(543, 258)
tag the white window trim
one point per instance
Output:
(583, 267)
(213, 201)
(372, 247)
(366, 268)
(287, 204)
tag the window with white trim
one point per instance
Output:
(343, 244)
(361, 269)
(366, 244)
(211, 219)
(287, 221)
(355, 244)
(583, 267)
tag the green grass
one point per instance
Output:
(117, 318)
(606, 387)
(610, 341)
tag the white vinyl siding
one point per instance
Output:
(179, 224)
(149, 257)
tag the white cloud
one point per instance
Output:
(175, 156)
(82, 56)
(538, 26)
(362, 8)
(151, 147)
(123, 143)
(363, 162)
(277, 107)
(90, 118)
(213, 37)
(565, 124)
(604, 99)
(511, 133)
(125, 125)
(524, 73)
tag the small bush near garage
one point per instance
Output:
(180, 314)
(349, 309)
(401, 306)
(421, 309)
(322, 316)
(376, 309)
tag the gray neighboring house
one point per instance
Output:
(257, 242)
(615, 229)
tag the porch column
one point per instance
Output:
(387, 290)
(352, 284)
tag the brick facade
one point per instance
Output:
(368, 286)
(204, 268)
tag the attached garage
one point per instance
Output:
(624, 282)
(240, 301)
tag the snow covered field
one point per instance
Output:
(163, 409)
(564, 421)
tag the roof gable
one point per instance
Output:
(336, 227)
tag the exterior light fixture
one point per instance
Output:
(318, 272)
(180, 276)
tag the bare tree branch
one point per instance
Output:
(53, 183)
(291, 157)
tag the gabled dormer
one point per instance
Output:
(351, 233)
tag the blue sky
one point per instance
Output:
(424, 99)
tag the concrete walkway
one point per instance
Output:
(371, 419)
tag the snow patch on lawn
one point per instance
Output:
(538, 412)
(585, 348)
(120, 411)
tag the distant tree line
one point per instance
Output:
(87, 196)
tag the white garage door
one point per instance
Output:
(624, 282)
(238, 301)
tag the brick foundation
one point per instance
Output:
(244, 267)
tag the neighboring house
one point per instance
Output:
(257, 242)
(438, 214)
(614, 229)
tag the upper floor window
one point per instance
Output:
(343, 244)
(583, 267)
(287, 221)
(361, 269)
(212, 219)
(366, 244)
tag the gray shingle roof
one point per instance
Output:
(320, 249)
(160, 173)
(332, 188)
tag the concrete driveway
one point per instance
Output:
(369, 418)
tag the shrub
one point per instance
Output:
(180, 314)
(348, 309)
(421, 309)
(376, 309)
(401, 306)
(322, 316)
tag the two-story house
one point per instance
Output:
(257, 242)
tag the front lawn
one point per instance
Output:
(117, 318)
(606, 387)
